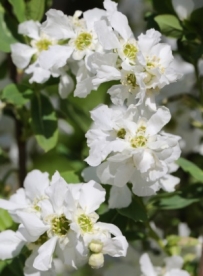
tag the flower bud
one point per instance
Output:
(96, 260)
(96, 246)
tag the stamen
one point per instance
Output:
(83, 41)
(121, 133)
(60, 225)
(85, 223)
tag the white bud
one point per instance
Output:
(96, 260)
(96, 246)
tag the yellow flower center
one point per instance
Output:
(140, 140)
(85, 223)
(43, 44)
(130, 51)
(83, 41)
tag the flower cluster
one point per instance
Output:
(134, 149)
(101, 47)
(98, 47)
(128, 148)
(56, 218)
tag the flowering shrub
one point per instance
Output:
(127, 150)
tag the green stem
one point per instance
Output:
(154, 236)
(199, 84)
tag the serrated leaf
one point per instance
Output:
(44, 122)
(135, 211)
(70, 177)
(191, 168)
(35, 9)
(175, 202)
(17, 95)
(169, 25)
(6, 37)
(18, 9)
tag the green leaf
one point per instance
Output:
(6, 37)
(175, 202)
(70, 177)
(135, 211)
(191, 168)
(163, 6)
(17, 95)
(169, 25)
(35, 9)
(5, 220)
(44, 122)
(18, 9)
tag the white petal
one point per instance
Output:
(183, 8)
(116, 247)
(35, 184)
(40, 75)
(177, 272)
(158, 120)
(120, 24)
(119, 197)
(30, 28)
(106, 36)
(32, 223)
(113, 229)
(92, 195)
(21, 54)
(57, 25)
(29, 270)
(144, 160)
(57, 193)
(66, 86)
(106, 73)
(91, 16)
(10, 244)
(146, 266)
(110, 6)
(45, 255)
(168, 182)
(55, 57)
(174, 262)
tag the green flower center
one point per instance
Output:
(85, 223)
(43, 44)
(121, 133)
(83, 41)
(130, 51)
(60, 225)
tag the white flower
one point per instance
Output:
(82, 201)
(63, 223)
(28, 198)
(143, 67)
(134, 136)
(172, 268)
(43, 57)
